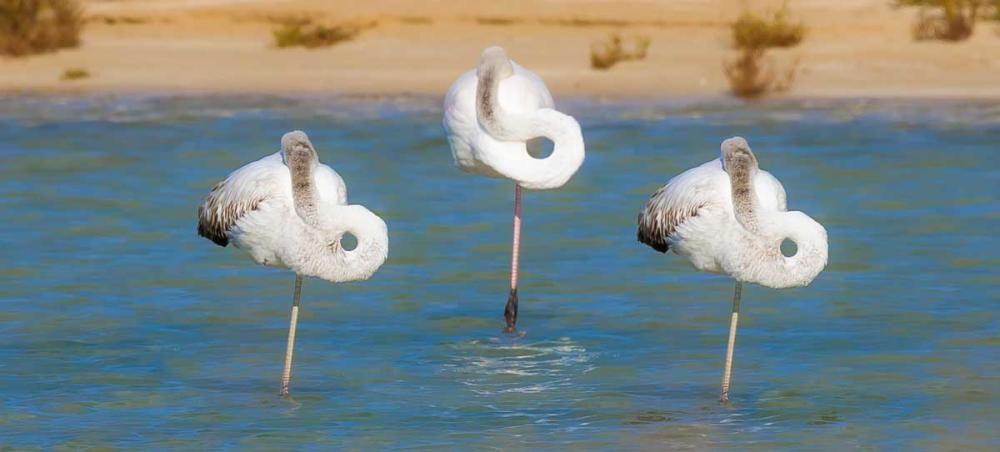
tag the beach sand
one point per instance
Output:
(854, 48)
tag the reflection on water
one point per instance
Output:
(491, 367)
(122, 328)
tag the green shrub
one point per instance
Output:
(751, 31)
(604, 54)
(751, 73)
(75, 74)
(950, 20)
(496, 20)
(36, 26)
(120, 20)
(304, 34)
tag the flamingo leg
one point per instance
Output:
(510, 311)
(727, 373)
(286, 374)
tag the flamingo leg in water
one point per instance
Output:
(286, 374)
(727, 373)
(510, 311)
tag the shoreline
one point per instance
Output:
(930, 95)
(559, 88)
(145, 106)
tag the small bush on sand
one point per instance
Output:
(37, 26)
(752, 32)
(74, 74)
(950, 20)
(752, 74)
(304, 34)
(607, 53)
(496, 20)
(121, 20)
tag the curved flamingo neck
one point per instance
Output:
(315, 248)
(506, 126)
(741, 166)
(756, 256)
(301, 159)
(494, 67)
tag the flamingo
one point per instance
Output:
(489, 115)
(728, 216)
(289, 210)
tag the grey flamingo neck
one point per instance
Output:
(494, 67)
(741, 165)
(301, 159)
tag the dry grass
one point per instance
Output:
(606, 53)
(498, 20)
(950, 20)
(752, 74)
(751, 31)
(74, 74)
(582, 22)
(122, 20)
(303, 33)
(30, 27)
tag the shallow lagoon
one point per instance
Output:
(121, 327)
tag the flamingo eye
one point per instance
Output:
(788, 248)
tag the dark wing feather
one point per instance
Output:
(674, 203)
(216, 218)
(657, 220)
(241, 193)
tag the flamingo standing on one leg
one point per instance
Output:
(728, 216)
(289, 210)
(489, 115)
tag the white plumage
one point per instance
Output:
(728, 216)
(254, 209)
(490, 113)
(694, 215)
(289, 210)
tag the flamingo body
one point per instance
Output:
(255, 201)
(254, 209)
(522, 93)
(525, 110)
(694, 215)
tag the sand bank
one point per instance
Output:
(854, 48)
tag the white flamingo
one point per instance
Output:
(489, 115)
(728, 216)
(289, 210)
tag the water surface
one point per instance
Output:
(121, 327)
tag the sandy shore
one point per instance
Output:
(854, 48)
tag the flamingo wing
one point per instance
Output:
(681, 199)
(242, 192)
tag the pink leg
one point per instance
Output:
(510, 312)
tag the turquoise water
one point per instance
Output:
(121, 327)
